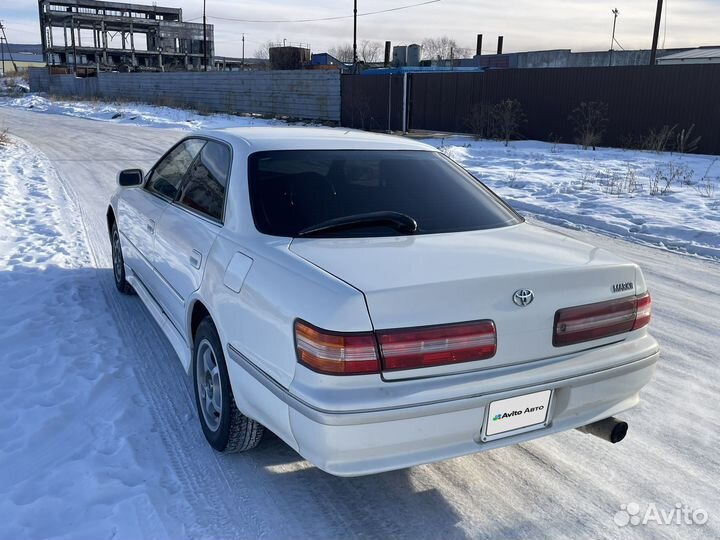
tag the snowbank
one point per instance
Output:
(138, 114)
(13, 85)
(617, 192)
(68, 400)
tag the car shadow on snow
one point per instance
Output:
(70, 321)
(386, 505)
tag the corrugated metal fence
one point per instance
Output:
(638, 98)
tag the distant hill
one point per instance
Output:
(18, 48)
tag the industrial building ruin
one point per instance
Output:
(122, 37)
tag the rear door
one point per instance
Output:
(140, 210)
(189, 226)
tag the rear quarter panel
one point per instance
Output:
(278, 288)
(258, 320)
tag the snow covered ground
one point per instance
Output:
(69, 406)
(609, 190)
(620, 192)
(13, 85)
(98, 433)
(137, 114)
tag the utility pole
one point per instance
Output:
(74, 48)
(354, 35)
(205, 60)
(656, 32)
(4, 36)
(243, 52)
(2, 53)
(612, 41)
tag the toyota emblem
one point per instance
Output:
(523, 297)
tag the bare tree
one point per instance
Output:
(442, 47)
(590, 119)
(370, 51)
(263, 50)
(506, 119)
(478, 121)
(343, 52)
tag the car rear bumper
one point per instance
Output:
(372, 440)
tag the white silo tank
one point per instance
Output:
(399, 56)
(413, 55)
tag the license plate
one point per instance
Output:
(526, 412)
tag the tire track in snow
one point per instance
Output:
(163, 381)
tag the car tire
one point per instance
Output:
(224, 426)
(118, 262)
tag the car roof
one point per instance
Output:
(312, 138)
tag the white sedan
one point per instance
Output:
(372, 303)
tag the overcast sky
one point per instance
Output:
(581, 25)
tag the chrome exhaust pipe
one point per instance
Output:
(611, 429)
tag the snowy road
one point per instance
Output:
(146, 470)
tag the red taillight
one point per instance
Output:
(334, 353)
(438, 345)
(644, 307)
(604, 319)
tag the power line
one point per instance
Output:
(334, 18)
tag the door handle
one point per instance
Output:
(150, 226)
(195, 258)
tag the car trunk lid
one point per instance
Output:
(442, 279)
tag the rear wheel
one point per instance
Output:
(119, 263)
(224, 426)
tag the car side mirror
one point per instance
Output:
(130, 178)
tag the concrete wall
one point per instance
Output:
(619, 58)
(312, 95)
(565, 58)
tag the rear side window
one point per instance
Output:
(168, 174)
(292, 190)
(204, 188)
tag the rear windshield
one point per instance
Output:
(293, 190)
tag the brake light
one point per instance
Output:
(438, 345)
(334, 353)
(604, 319)
(644, 307)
